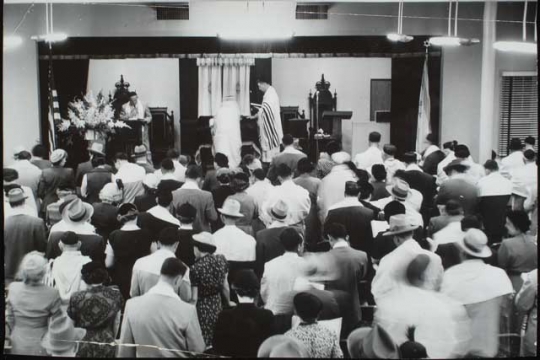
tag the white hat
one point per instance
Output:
(475, 243)
(341, 157)
(231, 208)
(58, 155)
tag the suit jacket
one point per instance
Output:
(425, 184)
(92, 245)
(379, 190)
(85, 168)
(41, 163)
(432, 161)
(169, 185)
(145, 202)
(460, 190)
(242, 329)
(147, 167)
(357, 221)
(268, 247)
(171, 324)
(202, 201)
(50, 179)
(153, 224)
(22, 234)
(287, 157)
(493, 212)
(104, 219)
(351, 267)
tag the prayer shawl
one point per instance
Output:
(473, 281)
(227, 137)
(270, 130)
(134, 112)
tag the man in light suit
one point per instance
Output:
(202, 200)
(288, 156)
(161, 319)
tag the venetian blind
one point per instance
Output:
(518, 109)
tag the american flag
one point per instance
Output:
(54, 111)
(424, 109)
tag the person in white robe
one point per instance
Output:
(226, 131)
(269, 121)
(135, 110)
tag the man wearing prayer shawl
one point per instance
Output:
(269, 121)
(226, 131)
(484, 290)
(441, 323)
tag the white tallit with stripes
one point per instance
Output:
(270, 130)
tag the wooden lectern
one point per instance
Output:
(334, 119)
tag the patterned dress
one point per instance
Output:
(208, 274)
(95, 310)
(318, 340)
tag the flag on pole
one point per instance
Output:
(423, 128)
(54, 111)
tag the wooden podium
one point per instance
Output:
(333, 119)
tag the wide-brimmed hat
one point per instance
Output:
(77, 211)
(206, 240)
(151, 181)
(399, 224)
(372, 343)
(97, 147)
(401, 189)
(282, 346)
(62, 335)
(33, 264)
(66, 201)
(58, 155)
(16, 195)
(140, 150)
(475, 243)
(341, 157)
(279, 210)
(231, 208)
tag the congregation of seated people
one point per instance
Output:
(383, 254)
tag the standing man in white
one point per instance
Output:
(226, 131)
(134, 109)
(372, 156)
(269, 121)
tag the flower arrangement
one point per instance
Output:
(92, 117)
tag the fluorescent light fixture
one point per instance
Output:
(12, 41)
(52, 37)
(467, 42)
(253, 36)
(399, 37)
(516, 46)
(445, 41)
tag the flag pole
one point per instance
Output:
(423, 126)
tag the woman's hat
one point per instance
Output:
(77, 211)
(33, 264)
(231, 208)
(62, 335)
(97, 147)
(58, 155)
(151, 181)
(400, 224)
(206, 239)
(475, 243)
(341, 157)
(128, 209)
(111, 193)
(372, 343)
(140, 150)
(282, 346)
(401, 189)
(279, 210)
(16, 195)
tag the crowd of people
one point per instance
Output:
(380, 255)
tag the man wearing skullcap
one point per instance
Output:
(52, 177)
(289, 156)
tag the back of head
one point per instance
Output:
(412, 349)
(290, 239)
(390, 149)
(187, 213)
(40, 151)
(184, 160)
(94, 273)
(453, 208)
(529, 155)
(462, 151)
(530, 140)
(307, 306)
(470, 222)
(333, 147)
(366, 189)
(401, 174)
(69, 238)
(416, 268)
(352, 188)
(173, 267)
(167, 165)
(10, 175)
(172, 154)
(221, 160)
(168, 236)
(284, 171)
(519, 219)
(98, 160)
(32, 268)
(515, 144)
(24, 155)
(361, 174)
(193, 172)
(379, 172)
(491, 165)
(374, 137)
(223, 177)
(393, 208)
(335, 230)
(305, 166)
(409, 157)
(431, 138)
(450, 145)
(259, 174)
(287, 140)
(164, 198)
(127, 212)
(246, 283)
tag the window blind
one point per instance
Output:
(518, 109)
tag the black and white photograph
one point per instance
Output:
(349, 179)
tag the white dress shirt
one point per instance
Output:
(260, 191)
(130, 172)
(511, 163)
(449, 234)
(332, 188)
(349, 201)
(278, 279)
(441, 175)
(296, 197)
(392, 165)
(66, 272)
(494, 184)
(84, 228)
(29, 174)
(370, 157)
(526, 175)
(430, 149)
(234, 244)
(179, 172)
(163, 213)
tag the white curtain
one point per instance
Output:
(235, 74)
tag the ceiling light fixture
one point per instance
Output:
(522, 47)
(399, 36)
(253, 36)
(454, 40)
(50, 36)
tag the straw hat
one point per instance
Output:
(206, 239)
(475, 243)
(140, 150)
(16, 195)
(231, 208)
(62, 335)
(400, 224)
(401, 189)
(279, 210)
(97, 147)
(77, 211)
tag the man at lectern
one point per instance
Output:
(269, 121)
(135, 110)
